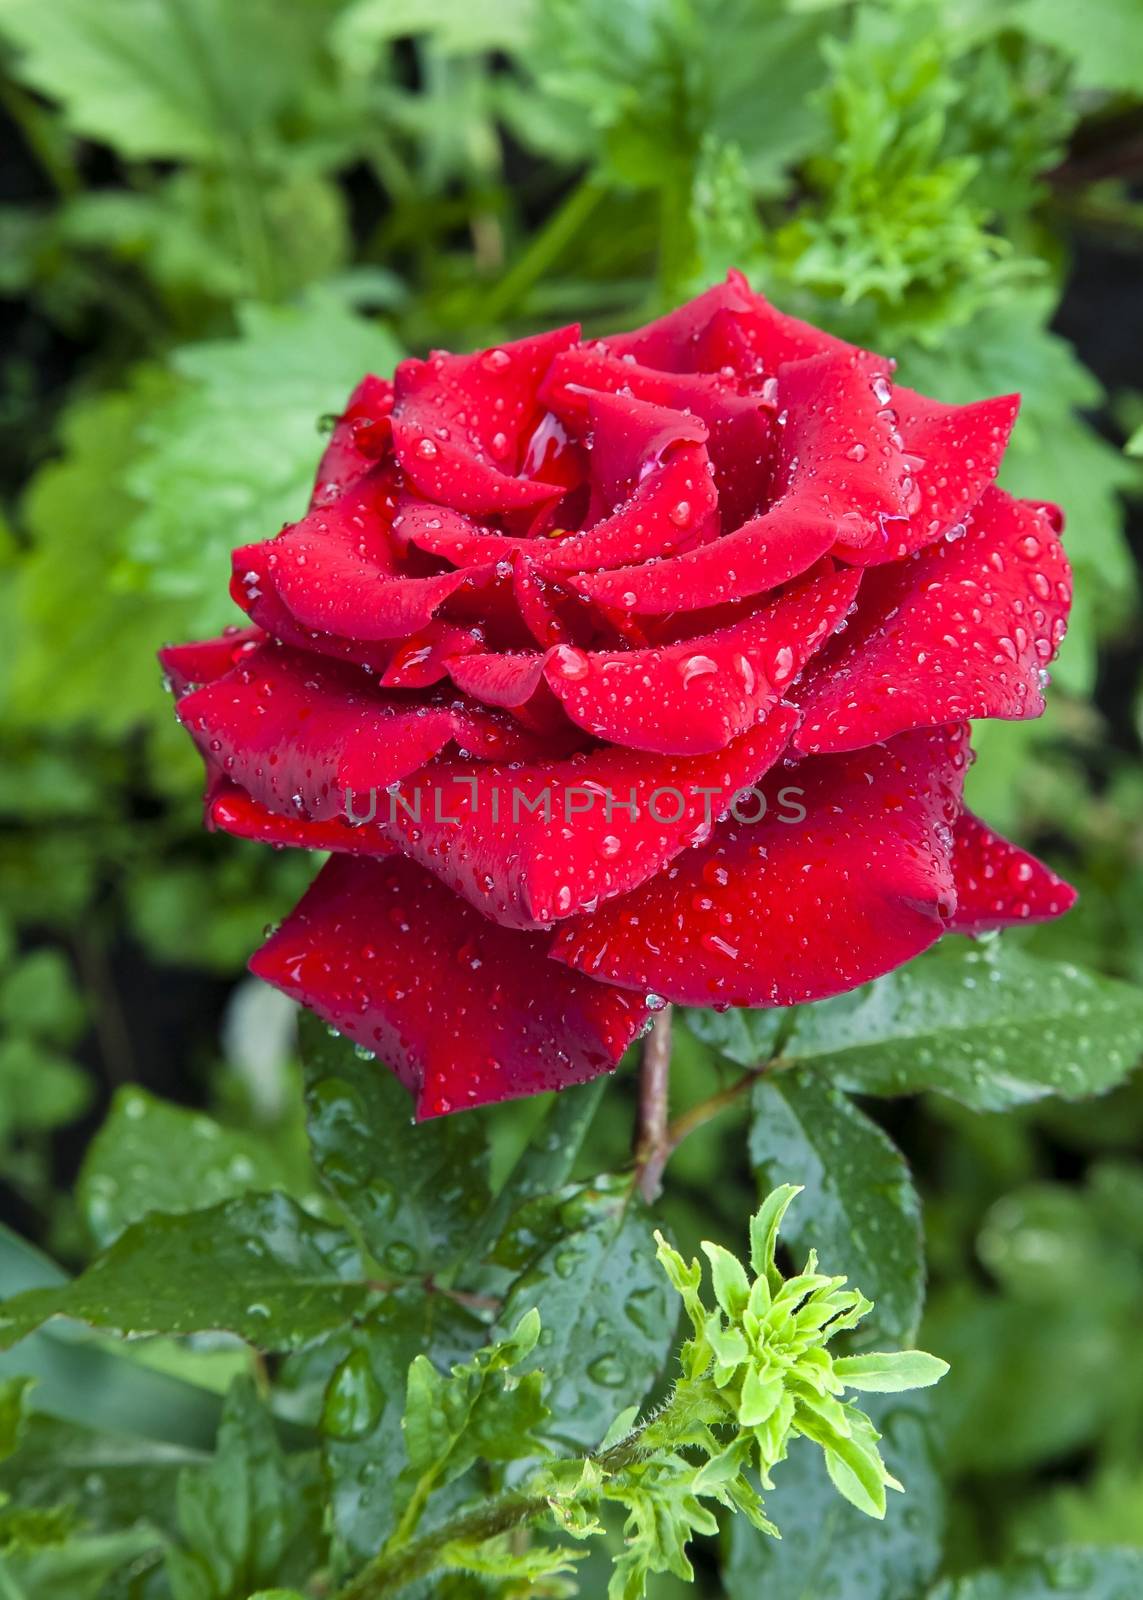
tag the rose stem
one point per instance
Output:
(651, 1143)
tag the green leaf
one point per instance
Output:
(728, 1279)
(13, 1409)
(545, 1163)
(893, 236)
(150, 1155)
(1005, 1358)
(986, 1024)
(109, 1479)
(257, 1266)
(500, 1558)
(828, 1546)
(890, 1371)
(158, 80)
(232, 456)
(248, 1519)
(859, 1210)
(1061, 1321)
(1105, 41)
(82, 1568)
(655, 77)
(105, 1388)
(39, 1089)
(585, 1259)
(363, 1444)
(454, 26)
(663, 1512)
(84, 647)
(416, 1191)
(852, 1459)
(38, 996)
(1093, 1573)
(195, 247)
(481, 1410)
(764, 1226)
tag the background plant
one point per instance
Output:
(220, 214)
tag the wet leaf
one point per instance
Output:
(985, 1023)
(416, 1191)
(362, 1442)
(585, 1258)
(150, 1155)
(828, 1547)
(250, 1517)
(82, 1568)
(109, 1479)
(232, 456)
(13, 1408)
(859, 1209)
(546, 1161)
(257, 1266)
(1093, 1573)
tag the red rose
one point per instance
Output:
(553, 608)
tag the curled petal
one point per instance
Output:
(510, 679)
(674, 506)
(836, 484)
(998, 885)
(233, 811)
(630, 437)
(188, 666)
(771, 337)
(962, 629)
(464, 1012)
(953, 454)
(698, 694)
(297, 734)
(728, 325)
(740, 428)
(846, 875)
(360, 437)
(675, 343)
(462, 424)
(338, 572)
(547, 610)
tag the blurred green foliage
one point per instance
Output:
(224, 212)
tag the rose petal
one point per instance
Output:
(510, 679)
(698, 694)
(960, 630)
(954, 453)
(298, 733)
(629, 437)
(740, 428)
(361, 436)
(460, 423)
(235, 812)
(847, 875)
(770, 337)
(674, 343)
(674, 506)
(188, 666)
(464, 1012)
(836, 484)
(998, 885)
(338, 570)
(528, 844)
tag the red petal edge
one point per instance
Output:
(465, 1013)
